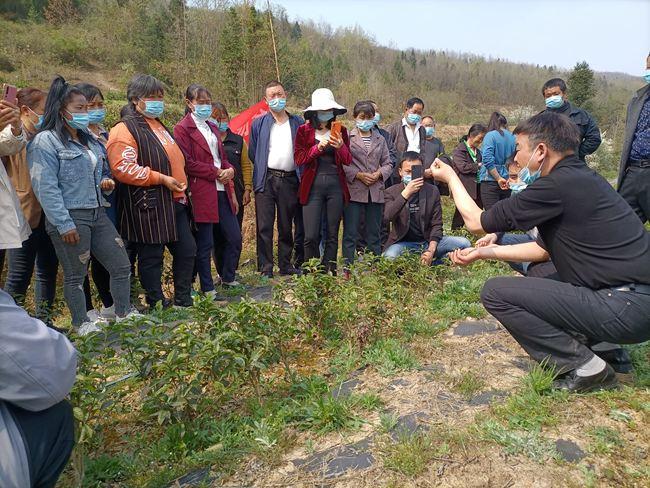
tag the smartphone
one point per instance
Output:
(335, 131)
(9, 93)
(416, 171)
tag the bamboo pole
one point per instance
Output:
(275, 51)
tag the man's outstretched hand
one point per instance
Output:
(441, 171)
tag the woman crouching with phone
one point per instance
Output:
(322, 147)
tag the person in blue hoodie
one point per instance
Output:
(498, 145)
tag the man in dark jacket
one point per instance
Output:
(275, 180)
(408, 133)
(634, 173)
(414, 213)
(555, 98)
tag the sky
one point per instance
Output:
(610, 35)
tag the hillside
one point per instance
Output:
(229, 48)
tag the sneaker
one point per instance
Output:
(132, 314)
(107, 312)
(93, 315)
(290, 272)
(89, 327)
(231, 284)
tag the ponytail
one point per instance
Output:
(58, 96)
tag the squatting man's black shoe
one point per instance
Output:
(573, 383)
(619, 359)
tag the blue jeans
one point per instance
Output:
(37, 250)
(446, 245)
(511, 240)
(97, 236)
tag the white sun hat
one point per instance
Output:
(323, 99)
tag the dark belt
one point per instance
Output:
(281, 174)
(635, 287)
(639, 163)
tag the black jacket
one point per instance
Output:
(589, 132)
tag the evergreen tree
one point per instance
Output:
(581, 84)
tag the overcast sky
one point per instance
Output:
(610, 35)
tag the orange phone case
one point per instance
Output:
(335, 131)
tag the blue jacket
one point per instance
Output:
(496, 150)
(258, 146)
(63, 178)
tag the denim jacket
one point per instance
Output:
(63, 178)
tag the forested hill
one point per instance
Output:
(228, 46)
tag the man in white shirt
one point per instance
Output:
(408, 134)
(275, 180)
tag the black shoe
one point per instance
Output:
(267, 274)
(619, 359)
(573, 383)
(290, 272)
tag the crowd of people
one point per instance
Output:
(106, 204)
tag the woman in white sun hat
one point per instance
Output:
(323, 189)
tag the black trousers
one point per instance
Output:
(279, 193)
(183, 251)
(557, 321)
(298, 238)
(491, 193)
(353, 233)
(325, 200)
(636, 191)
(49, 438)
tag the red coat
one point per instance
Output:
(306, 153)
(201, 171)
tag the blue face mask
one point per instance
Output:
(325, 115)
(277, 104)
(97, 115)
(223, 126)
(203, 112)
(413, 119)
(377, 119)
(517, 187)
(526, 177)
(646, 76)
(38, 124)
(430, 131)
(556, 101)
(365, 125)
(406, 179)
(153, 108)
(79, 121)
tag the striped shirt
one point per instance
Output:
(366, 141)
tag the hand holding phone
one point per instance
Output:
(10, 94)
(416, 171)
(335, 131)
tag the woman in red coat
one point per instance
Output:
(210, 178)
(323, 189)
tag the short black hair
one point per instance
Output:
(554, 82)
(429, 117)
(272, 84)
(409, 156)
(142, 86)
(89, 90)
(555, 130)
(511, 161)
(474, 130)
(364, 107)
(412, 101)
